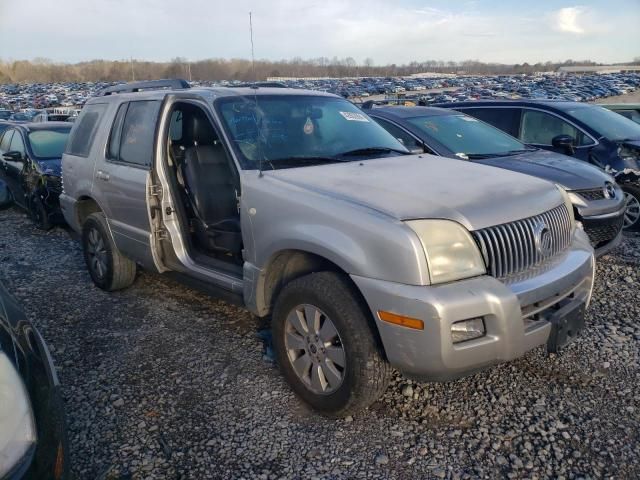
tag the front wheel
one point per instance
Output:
(632, 211)
(39, 214)
(109, 269)
(326, 346)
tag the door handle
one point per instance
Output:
(102, 175)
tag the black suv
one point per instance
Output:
(585, 131)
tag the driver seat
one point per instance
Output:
(211, 190)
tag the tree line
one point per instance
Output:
(42, 70)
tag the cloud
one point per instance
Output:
(569, 19)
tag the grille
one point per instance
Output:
(600, 235)
(594, 194)
(513, 247)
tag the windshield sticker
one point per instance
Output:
(308, 126)
(469, 119)
(354, 117)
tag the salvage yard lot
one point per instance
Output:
(161, 381)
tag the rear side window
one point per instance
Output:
(17, 144)
(133, 133)
(506, 119)
(84, 130)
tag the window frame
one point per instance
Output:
(94, 133)
(118, 161)
(564, 119)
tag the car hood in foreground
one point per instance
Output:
(426, 186)
(566, 171)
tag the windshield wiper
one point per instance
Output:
(479, 156)
(301, 160)
(372, 151)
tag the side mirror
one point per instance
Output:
(13, 156)
(564, 143)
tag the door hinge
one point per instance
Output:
(155, 190)
(160, 234)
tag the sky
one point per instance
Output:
(391, 31)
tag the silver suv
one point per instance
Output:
(297, 205)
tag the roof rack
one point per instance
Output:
(260, 84)
(171, 83)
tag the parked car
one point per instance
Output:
(30, 156)
(599, 203)
(299, 206)
(585, 131)
(629, 110)
(33, 440)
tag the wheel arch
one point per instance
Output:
(85, 206)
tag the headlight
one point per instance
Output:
(569, 205)
(451, 252)
(17, 428)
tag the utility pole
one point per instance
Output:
(133, 75)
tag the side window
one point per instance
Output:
(17, 144)
(138, 131)
(506, 119)
(175, 126)
(113, 150)
(5, 142)
(404, 137)
(84, 130)
(541, 127)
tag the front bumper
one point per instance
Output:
(516, 314)
(604, 231)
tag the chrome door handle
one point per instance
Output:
(102, 175)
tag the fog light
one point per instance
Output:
(467, 330)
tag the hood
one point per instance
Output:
(51, 167)
(566, 171)
(426, 186)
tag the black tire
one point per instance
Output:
(38, 214)
(115, 271)
(366, 373)
(632, 211)
(6, 200)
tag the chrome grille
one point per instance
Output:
(514, 247)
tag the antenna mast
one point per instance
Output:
(253, 59)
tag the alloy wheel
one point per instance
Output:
(315, 349)
(97, 253)
(632, 211)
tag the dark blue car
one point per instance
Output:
(599, 203)
(586, 131)
(30, 166)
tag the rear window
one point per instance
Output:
(84, 130)
(48, 143)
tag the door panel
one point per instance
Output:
(14, 169)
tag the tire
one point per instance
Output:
(38, 213)
(5, 196)
(109, 269)
(365, 373)
(632, 214)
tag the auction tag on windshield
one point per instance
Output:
(354, 116)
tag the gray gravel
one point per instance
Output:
(161, 381)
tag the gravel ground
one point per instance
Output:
(161, 381)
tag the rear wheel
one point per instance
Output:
(632, 212)
(326, 346)
(109, 269)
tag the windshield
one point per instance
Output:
(466, 135)
(295, 130)
(48, 143)
(608, 124)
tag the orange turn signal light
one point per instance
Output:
(401, 320)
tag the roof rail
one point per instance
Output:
(171, 83)
(260, 84)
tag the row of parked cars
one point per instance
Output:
(416, 238)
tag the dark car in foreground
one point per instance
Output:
(30, 156)
(33, 442)
(598, 202)
(586, 131)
